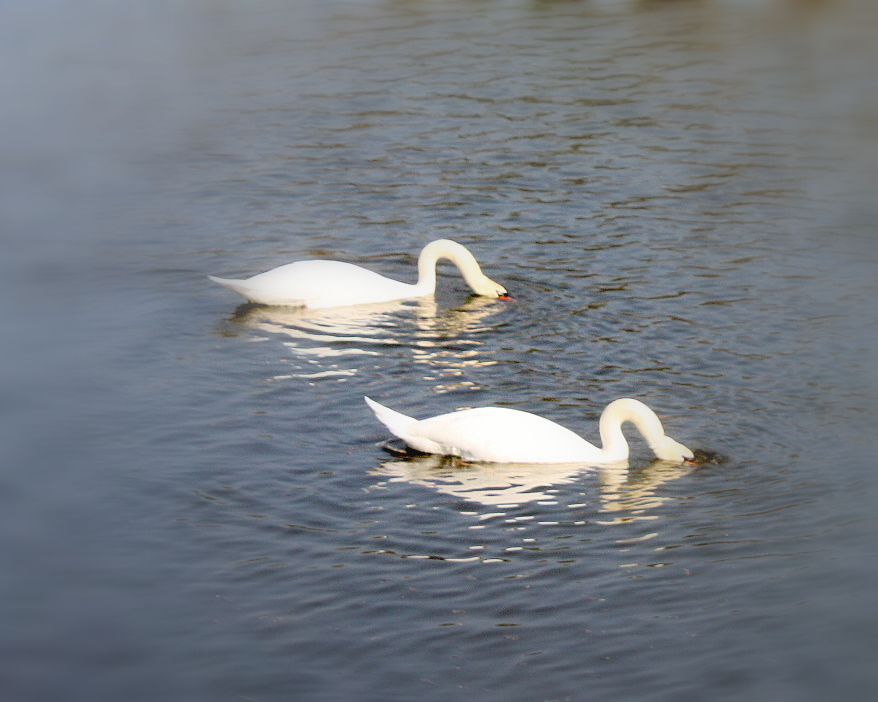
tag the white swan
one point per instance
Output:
(319, 284)
(502, 435)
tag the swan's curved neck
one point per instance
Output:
(613, 441)
(454, 252)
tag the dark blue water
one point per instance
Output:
(195, 502)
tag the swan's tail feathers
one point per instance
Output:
(238, 286)
(398, 423)
(229, 283)
(404, 427)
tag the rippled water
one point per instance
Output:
(197, 504)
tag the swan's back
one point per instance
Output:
(503, 435)
(317, 284)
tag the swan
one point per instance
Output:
(320, 284)
(503, 435)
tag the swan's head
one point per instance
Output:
(667, 449)
(487, 287)
(466, 264)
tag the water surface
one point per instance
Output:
(196, 503)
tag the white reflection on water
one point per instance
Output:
(336, 341)
(492, 484)
(510, 485)
(448, 342)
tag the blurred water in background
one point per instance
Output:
(194, 501)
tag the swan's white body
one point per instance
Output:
(320, 284)
(502, 435)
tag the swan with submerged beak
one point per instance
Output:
(319, 284)
(503, 435)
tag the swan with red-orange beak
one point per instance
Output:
(504, 435)
(319, 284)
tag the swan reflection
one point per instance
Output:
(447, 342)
(356, 328)
(510, 485)
(337, 341)
(634, 491)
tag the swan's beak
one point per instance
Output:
(505, 296)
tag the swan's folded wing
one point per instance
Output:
(255, 293)
(501, 435)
